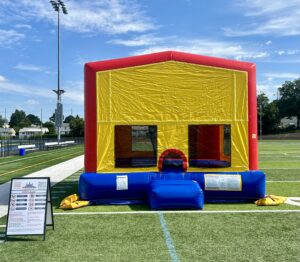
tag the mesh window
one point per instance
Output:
(135, 146)
(209, 146)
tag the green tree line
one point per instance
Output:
(19, 120)
(288, 105)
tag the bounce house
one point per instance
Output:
(170, 129)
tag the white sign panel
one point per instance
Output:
(27, 207)
(221, 182)
(122, 182)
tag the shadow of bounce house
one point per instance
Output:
(170, 129)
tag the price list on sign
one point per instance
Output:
(30, 208)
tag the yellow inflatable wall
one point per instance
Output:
(172, 95)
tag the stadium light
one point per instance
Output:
(58, 5)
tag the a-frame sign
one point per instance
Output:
(30, 207)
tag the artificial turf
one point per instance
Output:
(17, 166)
(196, 237)
(236, 237)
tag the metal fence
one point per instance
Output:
(12, 146)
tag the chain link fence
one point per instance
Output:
(12, 146)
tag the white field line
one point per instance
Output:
(280, 161)
(58, 191)
(278, 153)
(295, 201)
(177, 212)
(2, 226)
(168, 238)
(280, 168)
(285, 154)
(295, 181)
(23, 159)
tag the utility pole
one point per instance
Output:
(41, 123)
(58, 5)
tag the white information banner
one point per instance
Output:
(221, 182)
(122, 182)
(28, 206)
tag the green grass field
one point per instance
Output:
(83, 235)
(17, 166)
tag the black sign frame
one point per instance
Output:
(48, 202)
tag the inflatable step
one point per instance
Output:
(175, 194)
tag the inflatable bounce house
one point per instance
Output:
(170, 129)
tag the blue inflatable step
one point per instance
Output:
(175, 194)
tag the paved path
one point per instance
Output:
(56, 173)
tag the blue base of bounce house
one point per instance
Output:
(171, 190)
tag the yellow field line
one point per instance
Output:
(49, 153)
(36, 164)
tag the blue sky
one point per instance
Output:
(261, 31)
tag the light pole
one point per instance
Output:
(58, 5)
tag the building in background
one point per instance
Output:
(288, 122)
(28, 132)
(6, 131)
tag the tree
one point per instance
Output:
(18, 120)
(268, 113)
(52, 118)
(33, 119)
(289, 101)
(50, 127)
(77, 126)
(69, 118)
(2, 121)
(262, 103)
(271, 118)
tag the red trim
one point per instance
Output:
(90, 130)
(252, 119)
(167, 56)
(167, 152)
(90, 94)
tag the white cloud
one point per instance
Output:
(9, 37)
(23, 26)
(293, 52)
(280, 17)
(32, 102)
(270, 89)
(268, 42)
(29, 67)
(74, 91)
(287, 52)
(2, 78)
(280, 52)
(109, 16)
(207, 47)
(283, 75)
(142, 40)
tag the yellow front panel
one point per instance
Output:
(171, 95)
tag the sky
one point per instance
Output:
(260, 31)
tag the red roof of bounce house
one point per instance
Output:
(169, 56)
(92, 68)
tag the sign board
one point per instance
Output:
(221, 182)
(122, 182)
(30, 207)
